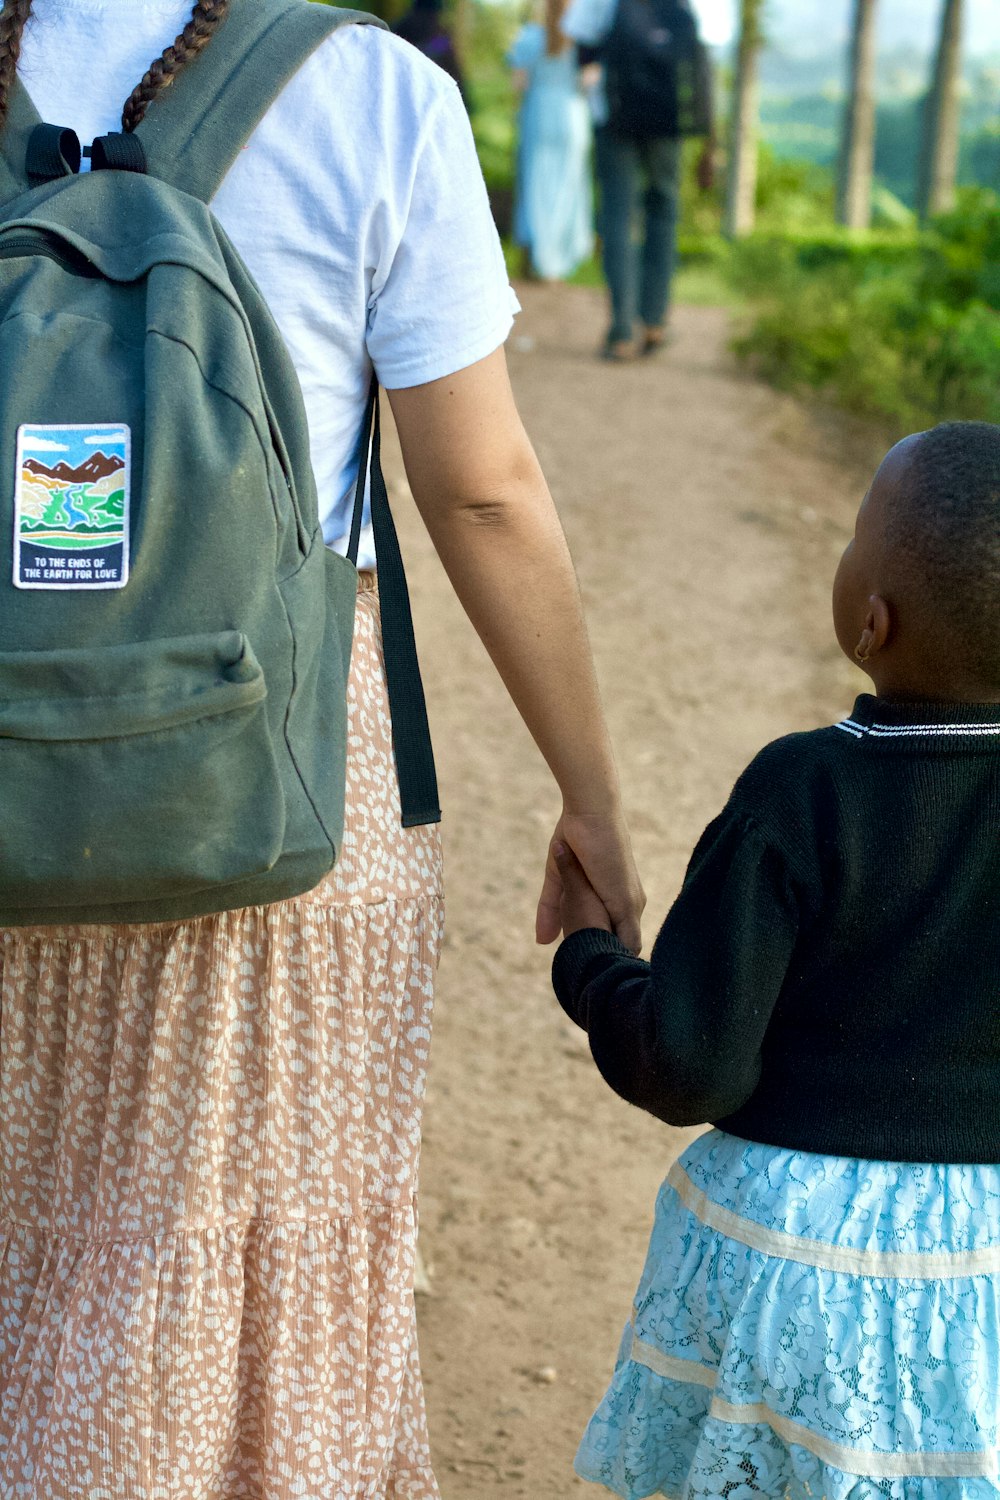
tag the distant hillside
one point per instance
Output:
(903, 73)
(804, 80)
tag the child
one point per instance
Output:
(819, 1313)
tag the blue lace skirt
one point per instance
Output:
(809, 1326)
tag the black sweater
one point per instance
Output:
(829, 976)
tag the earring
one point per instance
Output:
(862, 653)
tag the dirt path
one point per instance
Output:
(705, 514)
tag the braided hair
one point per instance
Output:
(205, 19)
(13, 19)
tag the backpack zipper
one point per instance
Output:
(21, 246)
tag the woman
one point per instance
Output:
(210, 1128)
(553, 214)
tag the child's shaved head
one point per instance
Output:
(917, 594)
(942, 534)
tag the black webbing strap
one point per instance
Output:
(118, 153)
(411, 736)
(52, 152)
(55, 152)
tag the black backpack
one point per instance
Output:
(658, 72)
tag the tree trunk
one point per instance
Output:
(939, 162)
(857, 158)
(741, 177)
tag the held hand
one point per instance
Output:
(601, 844)
(580, 906)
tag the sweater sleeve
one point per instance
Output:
(681, 1036)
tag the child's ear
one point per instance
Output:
(877, 630)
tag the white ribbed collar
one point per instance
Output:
(928, 723)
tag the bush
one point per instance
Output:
(492, 98)
(900, 328)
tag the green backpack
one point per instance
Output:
(174, 634)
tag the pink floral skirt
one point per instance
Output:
(209, 1136)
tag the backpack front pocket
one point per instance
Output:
(134, 772)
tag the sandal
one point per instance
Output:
(618, 351)
(655, 339)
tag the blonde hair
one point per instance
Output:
(555, 41)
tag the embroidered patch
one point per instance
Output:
(71, 507)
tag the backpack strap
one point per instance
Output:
(411, 736)
(191, 135)
(22, 117)
(195, 129)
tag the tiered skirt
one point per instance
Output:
(209, 1136)
(809, 1328)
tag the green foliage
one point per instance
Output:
(386, 10)
(494, 126)
(803, 125)
(753, 18)
(493, 101)
(808, 126)
(793, 198)
(904, 328)
(795, 194)
(900, 324)
(980, 161)
(898, 137)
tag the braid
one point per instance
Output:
(205, 19)
(12, 22)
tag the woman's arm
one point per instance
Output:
(484, 501)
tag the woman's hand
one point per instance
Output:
(602, 846)
(580, 906)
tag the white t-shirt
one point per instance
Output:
(358, 206)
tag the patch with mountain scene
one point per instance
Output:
(71, 507)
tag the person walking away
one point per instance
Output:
(650, 83)
(211, 1127)
(553, 207)
(819, 1310)
(424, 27)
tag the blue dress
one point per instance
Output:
(809, 1327)
(553, 211)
